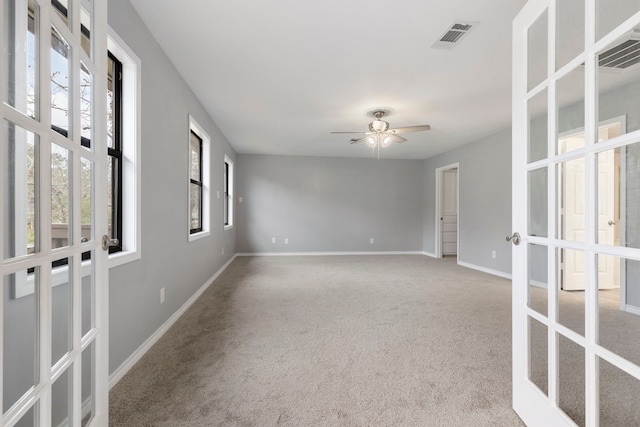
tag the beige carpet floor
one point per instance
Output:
(331, 341)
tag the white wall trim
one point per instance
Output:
(632, 309)
(126, 366)
(485, 270)
(429, 254)
(327, 253)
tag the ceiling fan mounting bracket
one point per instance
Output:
(379, 112)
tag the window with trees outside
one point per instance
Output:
(228, 193)
(199, 177)
(195, 184)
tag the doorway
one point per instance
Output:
(447, 210)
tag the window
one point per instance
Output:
(228, 193)
(195, 184)
(114, 151)
(123, 142)
(199, 149)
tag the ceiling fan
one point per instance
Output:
(379, 133)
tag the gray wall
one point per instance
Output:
(328, 204)
(168, 259)
(485, 201)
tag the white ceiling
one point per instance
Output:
(278, 76)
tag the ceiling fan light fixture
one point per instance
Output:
(371, 141)
(378, 126)
(386, 141)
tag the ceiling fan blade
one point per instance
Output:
(356, 140)
(406, 129)
(396, 138)
(363, 133)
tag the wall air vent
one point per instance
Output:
(624, 55)
(454, 34)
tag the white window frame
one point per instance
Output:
(131, 159)
(206, 179)
(229, 196)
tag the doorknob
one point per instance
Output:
(107, 242)
(515, 238)
(611, 222)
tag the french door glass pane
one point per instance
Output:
(88, 295)
(618, 397)
(19, 163)
(538, 355)
(538, 202)
(570, 91)
(618, 84)
(537, 51)
(20, 335)
(571, 379)
(61, 400)
(619, 290)
(88, 384)
(571, 200)
(61, 310)
(538, 278)
(60, 83)
(611, 13)
(86, 112)
(569, 31)
(537, 108)
(86, 17)
(62, 9)
(30, 418)
(21, 84)
(619, 196)
(60, 196)
(571, 286)
(86, 207)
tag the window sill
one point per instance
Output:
(123, 257)
(228, 227)
(199, 235)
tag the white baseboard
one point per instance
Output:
(122, 370)
(432, 255)
(328, 253)
(485, 270)
(632, 309)
(538, 284)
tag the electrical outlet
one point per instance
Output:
(222, 251)
(161, 295)
(218, 193)
(286, 240)
(273, 240)
(371, 240)
(240, 199)
(493, 254)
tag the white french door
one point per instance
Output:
(575, 353)
(53, 188)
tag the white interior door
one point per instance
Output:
(450, 212)
(54, 311)
(570, 364)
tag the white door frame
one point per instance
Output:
(439, 193)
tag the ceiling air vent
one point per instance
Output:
(623, 55)
(454, 34)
